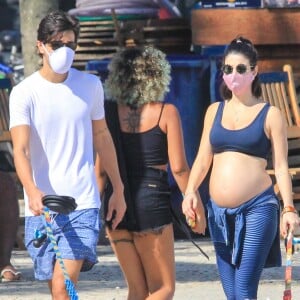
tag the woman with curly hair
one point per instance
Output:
(148, 136)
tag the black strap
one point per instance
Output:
(162, 107)
(184, 228)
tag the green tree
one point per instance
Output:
(31, 12)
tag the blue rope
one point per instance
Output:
(70, 287)
(296, 241)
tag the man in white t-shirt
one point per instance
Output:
(56, 117)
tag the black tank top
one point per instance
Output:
(146, 148)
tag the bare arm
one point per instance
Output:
(101, 176)
(20, 138)
(176, 152)
(278, 135)
(204, 156)
(179, 165)
(105, 149)
(201, 164)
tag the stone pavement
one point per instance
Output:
(196, 277)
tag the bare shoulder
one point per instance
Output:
(274, 114)
(170, 112)
(212, 108)
(274, 117)
(274, 111)
(211, 111)
(170, 108)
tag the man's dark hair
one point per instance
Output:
(55, 22)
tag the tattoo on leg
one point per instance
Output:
(121, 240)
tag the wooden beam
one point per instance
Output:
(262, 26)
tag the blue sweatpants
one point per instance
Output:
(241, 281)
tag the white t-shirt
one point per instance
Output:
(61, 143)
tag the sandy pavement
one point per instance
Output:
(196, 278)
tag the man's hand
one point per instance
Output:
(35, 201)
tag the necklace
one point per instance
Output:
(237, 114)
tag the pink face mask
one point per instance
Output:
(238, 83)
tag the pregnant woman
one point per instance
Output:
(243, 212)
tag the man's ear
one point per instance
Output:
(40, 47)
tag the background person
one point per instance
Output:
(243, 213)
(148, 135)
(56, 116)
(9, 221)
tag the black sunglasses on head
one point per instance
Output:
(58, 44)
(241, 69)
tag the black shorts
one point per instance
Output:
(149, 206)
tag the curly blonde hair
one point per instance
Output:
(138, 76)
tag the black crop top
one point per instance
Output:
(148, 148)
(250, 140)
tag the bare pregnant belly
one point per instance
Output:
(236, 178)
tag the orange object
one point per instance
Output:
(191, 222)
(289, 209)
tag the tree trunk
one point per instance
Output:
(31, 13)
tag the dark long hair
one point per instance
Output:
(245, 47)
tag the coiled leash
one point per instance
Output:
(64, 205)
(290, 242)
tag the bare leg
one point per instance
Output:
(57, 284)
(130, 263)
(9, 220)
(157, 255)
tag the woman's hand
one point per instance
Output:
(289, 222)
(189, 205)
(200, 225)
(194, 212)
(116, 208)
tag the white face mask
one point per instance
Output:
(61, 59)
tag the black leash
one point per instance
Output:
(185, 229)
